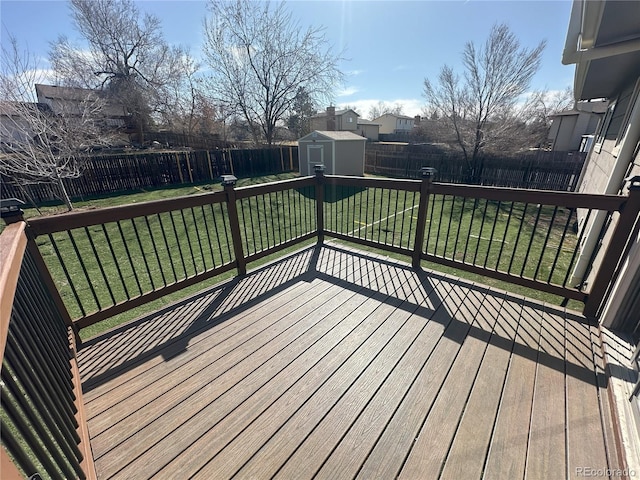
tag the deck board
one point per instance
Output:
(336, 363)
(508, 447)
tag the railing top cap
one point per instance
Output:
(428, 171)
(229, 179)
(10, 206)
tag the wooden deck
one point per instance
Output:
(336, 364)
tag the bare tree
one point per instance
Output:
(127, 56)
(184, 95)
(382, 108)
(539, 107)
(40, 145)
(260, 57)
(477, 105)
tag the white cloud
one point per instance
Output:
(410, 106)
(354, 73)
(347, 92)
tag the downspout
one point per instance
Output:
(614, 184)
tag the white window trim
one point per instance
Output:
(625, 122)
(604, 126)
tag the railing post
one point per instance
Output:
(228, 182)
(624, 228)
(319, 171)
(427, 174)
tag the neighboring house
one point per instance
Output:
(368, 129)
(346, 120)
(568, 128)
(13, 126)
(69, 100)
(603, 41)
(395, 124)
(335, 120)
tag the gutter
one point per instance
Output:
(594, 53)
(584, 23)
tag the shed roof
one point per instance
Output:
(332, 135)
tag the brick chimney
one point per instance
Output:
(331, 119)
(416, 120)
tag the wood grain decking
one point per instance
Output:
(339, 364)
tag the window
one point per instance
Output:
(631, 97)
(603, 127)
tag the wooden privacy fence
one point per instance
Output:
(110, 174)
(558, 171)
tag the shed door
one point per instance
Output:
(315, 154)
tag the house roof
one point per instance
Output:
(603, 40)
(338, 113)
(404, 117)
(11, 109)
(364, 121)
(332, 135)
(111, 108)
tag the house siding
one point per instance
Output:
(602, 161)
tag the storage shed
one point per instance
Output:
(342, 153)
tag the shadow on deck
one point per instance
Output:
(334, 363)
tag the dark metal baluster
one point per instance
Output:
(515, 246)
(155, 250)
(226, 228)
(455, 245)
(84, 270)
(207, 231)
(533, 234)
(164, 236)
(484, 215)
(446, 242)
(116, 262)
(129, 256)
(198, 235)
(546, 240)
(493, 230)
(504, 235)
(100, 267)
(66, 274)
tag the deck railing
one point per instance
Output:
(43, 430)
(525, 237)
(106, 261)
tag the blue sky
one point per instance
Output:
(390, 47)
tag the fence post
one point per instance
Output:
(186, 156)
(319, 170)
(427, 174)
(624, 228)
(228, 182)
